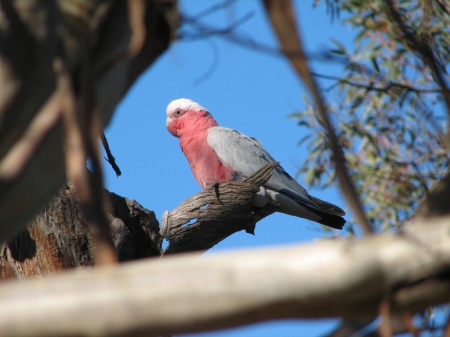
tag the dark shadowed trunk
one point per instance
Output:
(59, 239)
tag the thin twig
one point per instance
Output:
(92, 200)
(219, 6)
(370, 87)
(109, 157)
(385, 327)
(136, 17)
(281, 14)
(229, 33)
(78, 149)
(21, 153)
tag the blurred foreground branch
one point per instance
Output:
(282, 16)
(71, 60)
(345, 278)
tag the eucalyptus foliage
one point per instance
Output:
(388, 106)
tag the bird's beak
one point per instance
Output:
(168, 120)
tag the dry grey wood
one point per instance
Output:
(216, 214)
(33, 35)
(346, 278)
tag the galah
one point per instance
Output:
(217, 154)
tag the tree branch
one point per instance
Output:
(281, 15)
(109, 156)
(58, 237)
(340, 278)
(386, 88)
(120, 39)
(218, 212)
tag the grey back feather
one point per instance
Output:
(245, 155)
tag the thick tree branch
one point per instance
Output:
(218, 212)
(30, 132)
(344, 278)
(43, 44)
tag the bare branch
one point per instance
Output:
(386, 88)
(109, 156)
(188, 294)
(281, 14)
(217, 213)
(18, 156)
(80, 145)
(385, 328)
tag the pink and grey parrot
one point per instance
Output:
(217, 154)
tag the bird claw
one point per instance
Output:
(212, 186)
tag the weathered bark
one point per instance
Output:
(59, 239)
(346, 278)
(219, 212)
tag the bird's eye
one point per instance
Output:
(178, 112)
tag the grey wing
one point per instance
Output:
(245, 155)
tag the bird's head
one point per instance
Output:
(185, 115)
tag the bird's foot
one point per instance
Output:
(212, 186)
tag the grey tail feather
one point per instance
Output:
(331, 220)
(330, 214)
(328, 207)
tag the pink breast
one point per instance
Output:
(205, 165)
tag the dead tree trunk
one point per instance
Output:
(59, 239)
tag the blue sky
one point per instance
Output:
(244, 89)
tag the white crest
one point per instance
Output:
(184, 104)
